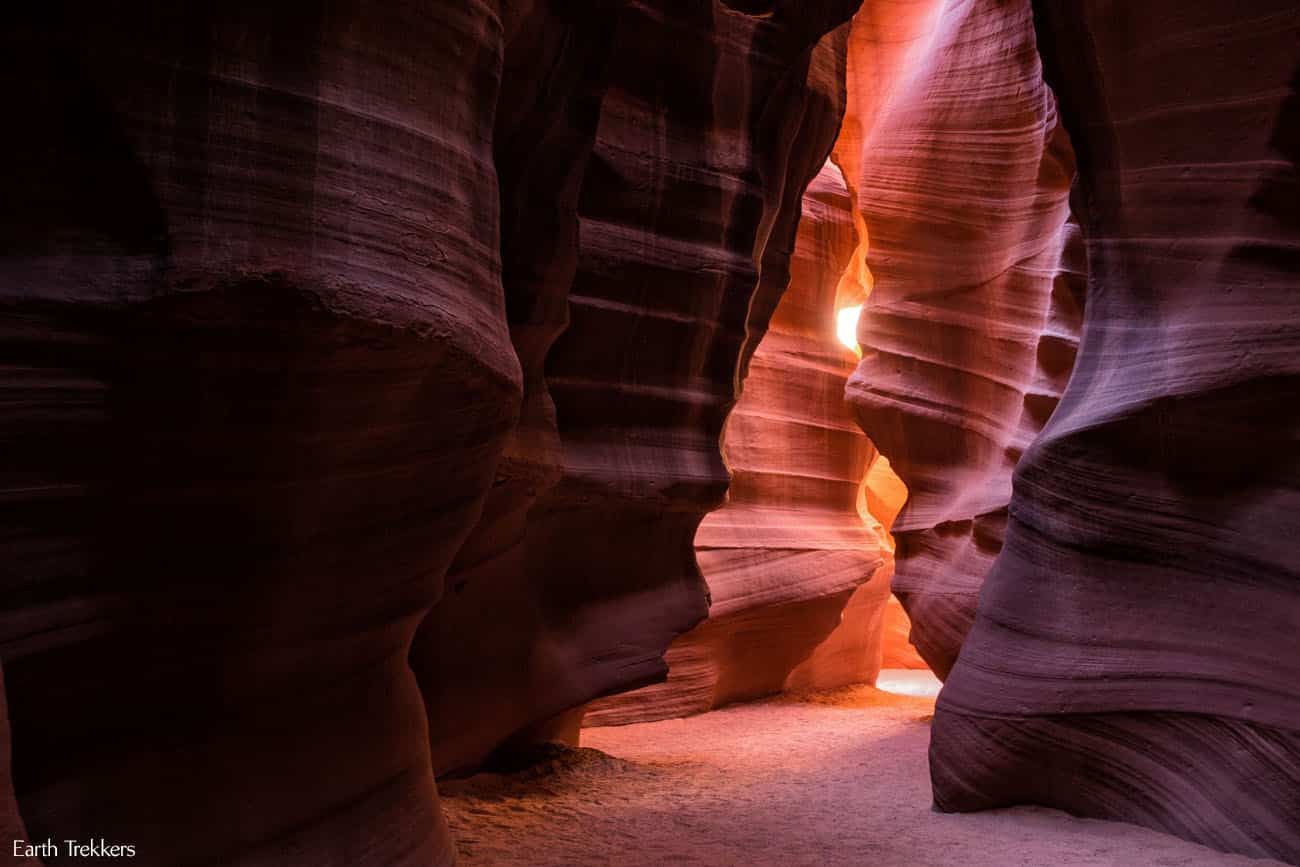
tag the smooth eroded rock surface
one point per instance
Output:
(580, 576)
(968, 334)
(793, 555)
(281, 298)
(1137, 649)
(257, 376)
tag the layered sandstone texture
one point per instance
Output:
(1137, 649)
(279, 303)
(257, 377)
(960, 172)
(688, 211)
(794, 554)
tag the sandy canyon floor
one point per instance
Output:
(830, 778)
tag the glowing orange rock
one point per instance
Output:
(968, 333)
(797, 567)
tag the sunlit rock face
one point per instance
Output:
(788, 558)
(581, 575)
(1136, 653)
(968, 334)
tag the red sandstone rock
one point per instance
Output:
(281, 298)
(276, 286)
(465, 654)
(258, 376)
(789, 558)
(1136, 653)
(688, 212)
(896, 647)
(968, 332)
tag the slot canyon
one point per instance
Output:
(774, 432)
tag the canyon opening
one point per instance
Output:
(626, 432)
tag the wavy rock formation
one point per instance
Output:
(968, 333)
(788, 558)
(280, 304)
(1136, 654)
(258, 376)
(555, 75)
(688, 212)
(886, 40)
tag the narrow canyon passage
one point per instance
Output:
(836, 777)
(563, 432)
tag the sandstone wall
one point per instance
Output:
(789, 549)
(279, 303)
(969, 330)
(688, 211)
(1136, 650)
(258, 376)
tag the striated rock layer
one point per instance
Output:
(789, 558)
(1137, 650)
(279, 303)
(257, 377)
(279, 310)
(545, 130)
(688, 211)
(969, 331)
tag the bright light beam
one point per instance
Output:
(846, 328)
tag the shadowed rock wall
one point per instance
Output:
(688, 212)
(11, 823)
(280, 298)
(1137, 650)
(257, 380)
